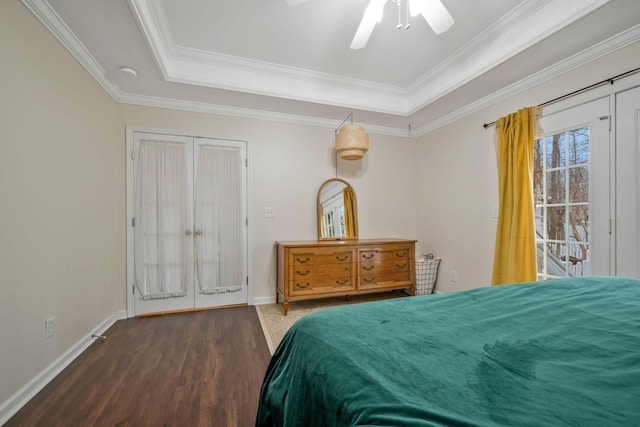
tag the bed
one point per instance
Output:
(560, 352)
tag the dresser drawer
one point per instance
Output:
(321, 256)
(386, 265)
(384, 253)
(382, 280)
(319, 285)
(309, 271)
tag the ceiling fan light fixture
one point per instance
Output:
(372, 15)
(434, 12)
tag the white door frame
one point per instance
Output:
(129, 287)
(627, 175)
(596, 115)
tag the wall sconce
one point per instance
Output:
(351, 140)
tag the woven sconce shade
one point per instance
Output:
(352, 142)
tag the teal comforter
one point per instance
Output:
(560, 352)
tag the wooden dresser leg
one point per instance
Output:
(285, 306)
(346, 298)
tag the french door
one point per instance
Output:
(189, 222)
(572, 192)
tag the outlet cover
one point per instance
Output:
(269, 213)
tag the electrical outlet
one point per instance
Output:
(454, 276)
(49, 327)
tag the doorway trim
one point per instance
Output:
(130, 204)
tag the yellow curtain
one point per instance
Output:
(349, 211)
(515, 253)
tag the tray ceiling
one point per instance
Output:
(267, 59)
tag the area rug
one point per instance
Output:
(275, 324)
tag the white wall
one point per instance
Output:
(288, 163)
(458, 176)
(59, 227)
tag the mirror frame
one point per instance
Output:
(320, 213)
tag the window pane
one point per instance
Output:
(556, 187)
(579, 146)
(540, 234)
(578, 260)
(579, 184)
(556, 150)
(579, 223)
(556, 223)
(538, 171)
(556, 265)
(540, 247)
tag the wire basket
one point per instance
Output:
(426, 274)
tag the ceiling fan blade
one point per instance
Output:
(294, 2)
(434, 12)
(372, 15)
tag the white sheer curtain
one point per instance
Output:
(218, 220)
(163, 251)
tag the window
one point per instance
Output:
(562, 203)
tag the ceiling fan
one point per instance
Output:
(433, 11)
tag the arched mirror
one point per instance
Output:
(337, 211)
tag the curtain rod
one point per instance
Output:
(610, 80)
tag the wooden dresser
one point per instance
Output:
(328, 268)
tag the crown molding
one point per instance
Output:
(208, 69)
(484, 39)
(248, 113)
(525, 26)
(606, 47)
(155, 30)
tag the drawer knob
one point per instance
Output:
(400, 254)
(369, 279)
(401, 265)
(303, 274)
(302, 261)
(344, 258)
(300, 285)
(342, 282)
(364, 267)
(368, 256)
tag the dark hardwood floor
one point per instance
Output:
(190, 369)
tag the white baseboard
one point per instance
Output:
(9, 407)
(263, 300)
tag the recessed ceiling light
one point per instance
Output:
(128, 71)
